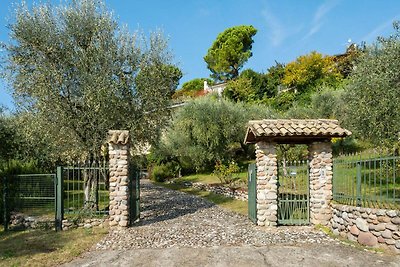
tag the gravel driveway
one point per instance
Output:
(175, 225)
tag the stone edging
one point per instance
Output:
(367, 226)
(86, 223)
(239, 194)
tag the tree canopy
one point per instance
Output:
(372, 95)
(78, 74)
(230, 51)
(207, 130)
(310, 71)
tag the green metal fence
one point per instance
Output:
(371, 182)
(293, 193)
(29, 199)
(134, 194)
(85, 188)
(252, 192)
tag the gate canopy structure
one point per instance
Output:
(317, 134)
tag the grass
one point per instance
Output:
(220, 200)
(45, 247)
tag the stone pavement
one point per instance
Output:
(177, 229)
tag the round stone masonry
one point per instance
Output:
(118, 146)
(267, 190)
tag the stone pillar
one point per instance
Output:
(267, 175)
(118, 150)
(320, 155)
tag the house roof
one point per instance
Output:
(293, 131)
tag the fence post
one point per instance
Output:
(5, 203)
(358, 189)
(59, 199)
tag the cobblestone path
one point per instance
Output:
(173, 219)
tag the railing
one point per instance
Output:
(85, 188)
(372, 182)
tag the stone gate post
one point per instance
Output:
(320, 154)
(267, 175)
(118, 149)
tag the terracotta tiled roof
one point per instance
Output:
(293, 129)
(118, 137)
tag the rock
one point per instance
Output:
(381, 239)
(87, 225)
(385, 219)
(390, 241)
(396, 235)
(391, 227)
(380, 227)
(380, 212)
(336, 232)
(395, 220)
(375, 233)
(397, 244)
(387, 234)
(351, 237)
(367, 239)
(362, 224)
(354, 230)
(391, 213)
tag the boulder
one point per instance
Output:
(367, 239)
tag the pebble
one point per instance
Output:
(174, 219)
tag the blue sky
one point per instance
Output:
(286, 29)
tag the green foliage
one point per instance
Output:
(8, 136)
(250, 86)
(283, 101)
(207, 130)
(346, 62)
(77, 74)
(227, 174)
(240, 90)
(230, 51)
(160, 173)
(275, 76)
(192, 88)
(196, 84)
(311, 71)
(372, 95)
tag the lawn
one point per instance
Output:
(45, 247)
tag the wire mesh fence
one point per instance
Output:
(29, 200)
(367, 182)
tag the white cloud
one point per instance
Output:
(278, 32)
(319, 16)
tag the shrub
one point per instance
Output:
(162, 172)
(227, 174)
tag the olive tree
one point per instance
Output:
(370, 103)
(77, 74)
(208, 130)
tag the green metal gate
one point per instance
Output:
(252, 192)
(293, 193)
(134, 195)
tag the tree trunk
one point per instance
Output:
(90, 189)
